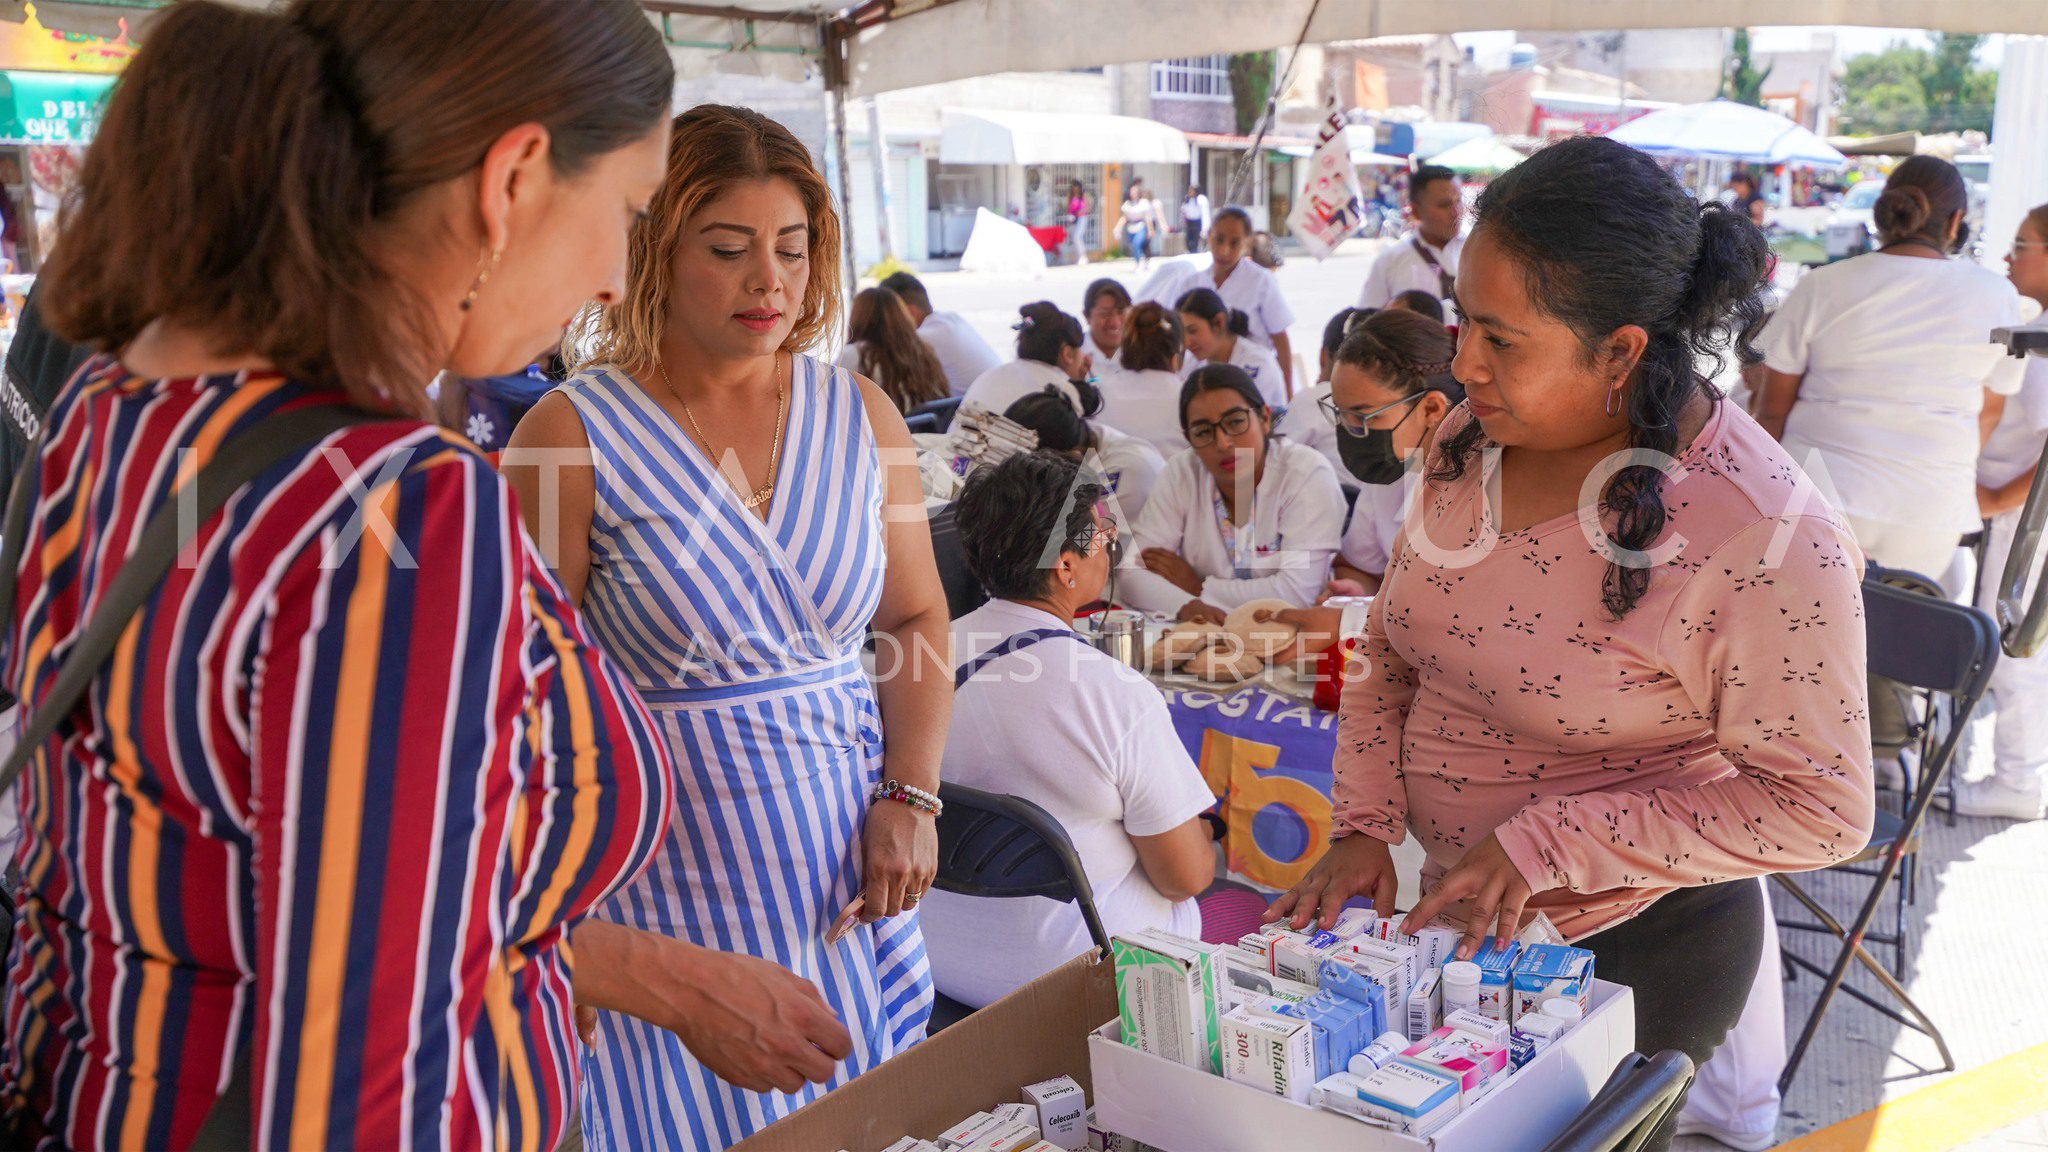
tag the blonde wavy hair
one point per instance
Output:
(711, 147)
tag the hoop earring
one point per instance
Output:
(1613, 403)
(483, 277)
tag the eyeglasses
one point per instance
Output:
(2019, 244)
(1235, 422)
(1355, 422)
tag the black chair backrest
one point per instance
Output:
(1925, 641)
(941, 410)
(996, 845)
(963, 592)
(923, 422)
(1625, 1112)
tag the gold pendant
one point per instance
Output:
(759, 497)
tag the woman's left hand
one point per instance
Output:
(1172, 568)
(1316, 629)
(900, 856)
(1492, 885)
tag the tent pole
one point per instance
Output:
(1249, 165)
(833, 36)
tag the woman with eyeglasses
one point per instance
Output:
(1040, 714)
(1239, 515)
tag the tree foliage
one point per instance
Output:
(1740, 80)
(1251, 86)
(1905, 88)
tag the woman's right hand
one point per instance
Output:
(1354, 865)
(1200, 612)
(755, 1024)
(1316, 629)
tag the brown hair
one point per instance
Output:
(1151, 338)
(1406, 352)
(248, 201)
(1919, 197)
(2038, 217)
(892, 354)
(711, 147)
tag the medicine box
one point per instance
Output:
(1474, 1060)
(1473, 1022)
(1269, 1053)
(1547, 970)
(1419, 1099)
(1300, 958)
(970, 1129)
(1425, 1004)
(1497, 977)
(1166, 997)
(1059, 1111)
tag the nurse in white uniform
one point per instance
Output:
(1104, 308)
(1216, 333)
(1242, 283)
(1241, 515)
(1142, 397)
(1127, 465)
(1048, 353)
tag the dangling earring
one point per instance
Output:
(483, 277)
(1614, 402)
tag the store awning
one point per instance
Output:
(51, 107)
(977, 136)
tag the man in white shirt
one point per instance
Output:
(1042, 715)
(1426, 258)
(962, 353)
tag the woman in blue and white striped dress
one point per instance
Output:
(734, 540)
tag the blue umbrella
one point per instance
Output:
(1725, 130)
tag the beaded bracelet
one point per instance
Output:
(917, 798)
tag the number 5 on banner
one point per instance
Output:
(1231, 767)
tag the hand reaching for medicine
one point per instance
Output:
(1494, 892)
(1354, 865)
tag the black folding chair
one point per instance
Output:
(923, 422)
(941, 411)
(1638, 1097)
(1006, 846)
(963, 592)
(1946, 652)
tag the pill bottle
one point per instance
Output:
(1565, 1010)
(1461, 986)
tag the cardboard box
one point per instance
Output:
(1268, 1053)
(1547, 970)
(1167, 997)
(1170, 1106)
(1036, 1033)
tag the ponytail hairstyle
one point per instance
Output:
(1406, 352)
(1050, 413)
(1044, 331)
(892, 354)
(1647, 254)
(1152, 339)
(1206, 305)
(1919, 197)
(280, 177)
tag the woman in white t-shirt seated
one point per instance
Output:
(882, 344)
(1142, 397)
(1240, 515)
(1127, 465)
(1048, 352)
(1216, 333)
(1044, 716)
(1881, 379)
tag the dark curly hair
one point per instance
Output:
(1635, 249)
(1009, 514)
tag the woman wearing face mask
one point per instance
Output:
(1243, 285)
(1616, 692)
(1219, 334)
(1239, 515)
(1391, 387)
(747, 517)
(1048, 352)
(1127, 466)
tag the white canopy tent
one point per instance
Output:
(982, 136)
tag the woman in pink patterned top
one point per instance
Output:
(1619, 709)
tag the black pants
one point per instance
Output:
(1690, 959)
(1192, 229)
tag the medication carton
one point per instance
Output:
(1420, 1100)
(1261, 942)
(1059, 1112)
(1474, 1060)
(1269, 1053)
(1435, 943)
(1547, 970)
(1390, 966)
(1007, 1138)
(1533, 1033)
(1166, 997)
(970, 1129)
(1014, 1112)
(1346, 980)
(1300, 958)
(1473, 1022)
(1243, 975)
(1354, 922)
(1425, 1004)
(1496, 977)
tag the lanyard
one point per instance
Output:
(1240, 568)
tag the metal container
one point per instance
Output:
(1121, 636)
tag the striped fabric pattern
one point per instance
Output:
(744, 638)
(346, 781)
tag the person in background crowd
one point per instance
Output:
(801, 517)
(1419, 302)
(2017, 706)
(1240, 515)
(1219, 334)
(321, 763)
(1507, 609)
(1043, 715)
(1103, 309)
(1048, 353)
(882, 344)
(1142, 398)
(1137, 220)
(1744, 197)
(1194, 217)
(1077, 221)
(961, 350)
(1127, 466)
(1242, 284)
(1425, 260)
(1882, 382)
(1304, 421)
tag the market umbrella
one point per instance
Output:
(1479, 156)
(1725, 130)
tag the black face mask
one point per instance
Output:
(1371, 457)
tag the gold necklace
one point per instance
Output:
(766, 491)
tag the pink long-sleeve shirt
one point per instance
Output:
(1718, 730)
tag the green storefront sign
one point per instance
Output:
(51, 107)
